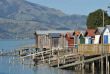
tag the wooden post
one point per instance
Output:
(20, 52)
(58, 57)
(82, 62)
(108, 67)
(64, 59)
(43, 57)
(106, 61)
(101, 64)
(49, 59)
(30, 63)
(103, 18)
(22, 60)
(93, 67)
(58, 52)
(11, 51)
(1, 52)
(9, 61)
(58, 62)
(20, 49)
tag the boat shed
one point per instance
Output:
(98, 35)
(81, 38)
(106, 34)
(76, 37)
(44, 38)
(54, 40)
(70, 40)
(89, 36)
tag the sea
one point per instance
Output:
(17, 67)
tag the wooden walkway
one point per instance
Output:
(83, 61)
(66, 59)
(22, 48)
(101, 50)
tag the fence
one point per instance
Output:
(93, 49)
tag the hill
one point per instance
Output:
(20, 18)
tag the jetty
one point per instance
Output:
(23, 47)
(84, 54)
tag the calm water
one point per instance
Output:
(17, 67)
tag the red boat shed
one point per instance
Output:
(70, 40)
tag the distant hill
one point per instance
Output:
(20, 19)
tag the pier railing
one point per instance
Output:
(93, 49)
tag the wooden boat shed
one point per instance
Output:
(106, 34)
(81, 38)
(55, 40)
(44, 38)
(76, 38)
(89, 36)
(98, 35)
(70, 40)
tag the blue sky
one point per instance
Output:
(82, 7)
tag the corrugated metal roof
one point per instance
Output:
(53, 31)
(54, 35)
(100, 29)
(90, 32)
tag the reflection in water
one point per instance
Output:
(1, 58)
(23, 66)
(35, 68)
(9, 68)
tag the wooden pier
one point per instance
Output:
(76, 57)
(22, 48)
(86, 53)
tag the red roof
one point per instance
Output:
(77, 32)
(69, 34)
(90, 32)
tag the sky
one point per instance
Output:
(70, 7)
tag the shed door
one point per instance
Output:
(82, 40)
(105, 38)
(89, 41)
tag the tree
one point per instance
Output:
(95, 19)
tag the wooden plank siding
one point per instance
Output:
(93, 49)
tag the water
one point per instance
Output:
(16, 67)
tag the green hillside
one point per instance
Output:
(19, 19)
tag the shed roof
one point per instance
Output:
(107, 26)
(77, 32)
(100, 29)
(53, 31)
(69, 35)
(90, 32)
(54, 35)
(82, 33)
